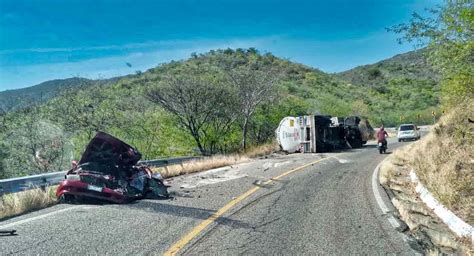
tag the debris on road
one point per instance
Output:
(8, 232)
(108, 171)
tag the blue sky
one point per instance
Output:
(43, 40)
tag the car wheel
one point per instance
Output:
(67, 199)
(399, 140)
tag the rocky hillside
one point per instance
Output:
(411, 65)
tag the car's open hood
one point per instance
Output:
(105, 149)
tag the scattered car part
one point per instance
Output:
(8, 232)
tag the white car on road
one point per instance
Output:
(408, 132)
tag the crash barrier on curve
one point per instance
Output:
(14, 185)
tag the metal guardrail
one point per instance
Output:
(14, 185)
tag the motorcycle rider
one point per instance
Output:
(381, 135)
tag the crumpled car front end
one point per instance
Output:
(108, 170)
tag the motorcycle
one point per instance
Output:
(382, 146)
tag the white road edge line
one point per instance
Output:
(41, 216)
(383, 207)
(456, 224)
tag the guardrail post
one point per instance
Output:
(43, 186)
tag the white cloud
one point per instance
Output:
(329, 56)
(106, 67)
(165, 44)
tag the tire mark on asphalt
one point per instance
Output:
(213, 229)
(197, 230)
(261, 223)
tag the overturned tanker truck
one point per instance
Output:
(322, 133)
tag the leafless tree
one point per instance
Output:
(254, 86)
(201, 104)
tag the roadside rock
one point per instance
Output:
(428, 230)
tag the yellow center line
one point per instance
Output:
(174, 249)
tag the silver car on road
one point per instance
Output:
(408, 132)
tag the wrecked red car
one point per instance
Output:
(108, 170)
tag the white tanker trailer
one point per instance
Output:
(320, 133)
(288, 135)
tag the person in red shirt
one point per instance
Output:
(381, 135)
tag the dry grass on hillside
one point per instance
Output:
(444, 161)
(215, 161)
(26, 201)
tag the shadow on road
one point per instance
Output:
(185, 211)
(369, 146)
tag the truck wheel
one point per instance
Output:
(356, 143)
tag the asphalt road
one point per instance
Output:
(324, 208)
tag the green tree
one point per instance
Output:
(34, 145)
(359, 108)
(374, 73)
(3, 157)
(449, 36)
